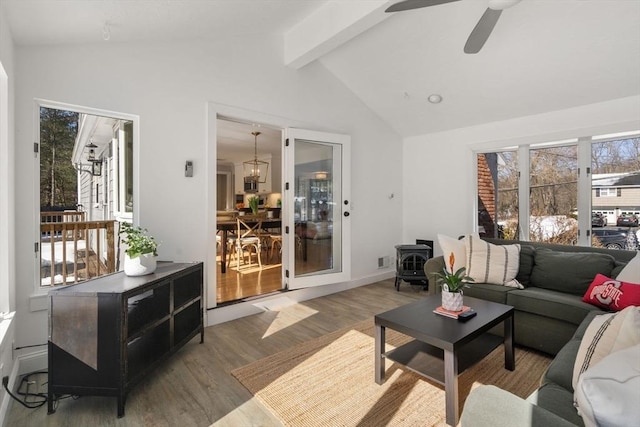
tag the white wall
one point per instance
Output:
(7, 214)
(439, 172)
(168, 86)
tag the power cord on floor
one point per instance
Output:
(37, 399)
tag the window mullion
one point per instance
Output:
(523, 193)
(584, 191)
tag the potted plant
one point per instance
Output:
(142, 250)
(253, 204)
(452, 285)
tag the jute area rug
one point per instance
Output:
(329, 381)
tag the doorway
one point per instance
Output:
(240, 272)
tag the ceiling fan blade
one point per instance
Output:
(415, 4)
(482, 31)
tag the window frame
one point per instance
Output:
(38, 290)
(584, 147)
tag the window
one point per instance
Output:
(544, 188)
(553, 194)
(498, 194)
(608, 192)
(86, 186)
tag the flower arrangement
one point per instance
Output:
(138, 241)
(453, 282)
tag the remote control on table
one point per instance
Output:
(466, 315)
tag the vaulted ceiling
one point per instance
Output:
(543, 55)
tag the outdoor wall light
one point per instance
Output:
(96, 168)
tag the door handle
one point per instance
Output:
(346, 214)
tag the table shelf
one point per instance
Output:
(428, 361)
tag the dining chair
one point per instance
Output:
(275, 243)
(246, 239)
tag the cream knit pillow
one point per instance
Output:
(495, 264)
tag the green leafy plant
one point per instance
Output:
(453, 282)
(253, 204)
(138, 241)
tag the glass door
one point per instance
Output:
(317, 208)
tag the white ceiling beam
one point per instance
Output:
(333, 24)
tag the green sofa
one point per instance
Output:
(550, 405)
(555, 277)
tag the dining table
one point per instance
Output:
(226, 226)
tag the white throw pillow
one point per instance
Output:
(608, 393)
(450, 245)
(606, 334)
(631, 271)
(495, 264)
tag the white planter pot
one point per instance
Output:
(452, 300)
(140, 265)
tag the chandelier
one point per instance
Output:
(255, 171)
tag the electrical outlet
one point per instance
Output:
(5, 381)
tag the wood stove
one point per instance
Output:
(410, 260)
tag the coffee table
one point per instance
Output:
(443, 347)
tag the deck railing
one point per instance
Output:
(74, 251)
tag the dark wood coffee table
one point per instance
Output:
(443, 347)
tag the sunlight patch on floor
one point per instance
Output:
(289, 313)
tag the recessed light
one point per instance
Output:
(435, 98)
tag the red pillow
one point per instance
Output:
(612, 294)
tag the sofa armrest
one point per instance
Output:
(491, 406)
(431, 267)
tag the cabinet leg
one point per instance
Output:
(50, 409)
(121, 400)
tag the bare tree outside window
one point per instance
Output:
(553, 194)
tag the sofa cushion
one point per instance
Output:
(569, 272)
(558, 400)
(557, 305)
(527, 254)
(494, 264)
(606, 334)
(612, 294)
(608, 393)
(488, 292)
(560, 371)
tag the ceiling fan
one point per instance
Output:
(483, 28)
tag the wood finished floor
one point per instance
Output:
(195, 387)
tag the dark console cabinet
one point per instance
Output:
(106, 334)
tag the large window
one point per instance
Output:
(580, 191)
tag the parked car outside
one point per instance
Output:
(598, 220)
(627, 220)
(613, 239)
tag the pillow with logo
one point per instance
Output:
(612, 294)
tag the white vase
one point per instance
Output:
(452, 300)
(140, 265)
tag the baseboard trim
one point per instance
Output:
(24, 364)
(248, 308)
